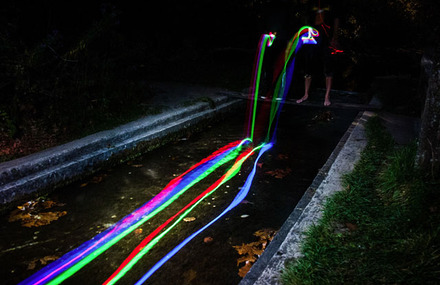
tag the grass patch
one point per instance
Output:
(383, 228)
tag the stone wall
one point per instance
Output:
(428, 153)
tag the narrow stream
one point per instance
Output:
(306, 137)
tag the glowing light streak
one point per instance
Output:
(271, 39)
(282, 88)
(193, 179)
(335, 50)
(145, 246)
(239, 197)
(77, 258)
(63, 268)
(310, 38)
(265, 40)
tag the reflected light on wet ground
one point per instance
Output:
(303, 145)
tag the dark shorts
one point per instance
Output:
(315, 59)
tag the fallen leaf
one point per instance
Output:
(244, 269)
(189, 219)
(279, 173)
(137, 165)
(32, 264)
(265, 234)
(42, 219)
(48, 204)
(18, 215)
(251, 251)
(45, 259)
(30, 213)
(246, 259)
(248, 248)
(28, 205)
(208, 240)
(138, 231)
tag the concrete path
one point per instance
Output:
(185, 106)
(286, 244)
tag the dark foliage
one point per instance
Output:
(75, 67)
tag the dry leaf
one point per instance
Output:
(208, 240)
(244, 269)
(247, 248)
(279, 173)
(137, 165)
(47, 258)
(48, 204)
(246, 258)
(30, 213)
(265, 234)
(189, 219)
(18, 215)
(251, 251)
(138, 231)
(43, 261)
(28, 205)
(32, 264)
(42, 219)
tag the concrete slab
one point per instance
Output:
(52, 167)
(286, 244)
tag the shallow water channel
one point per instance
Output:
(306, 137)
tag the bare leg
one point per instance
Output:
(328, 86)
(307, 83)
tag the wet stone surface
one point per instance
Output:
(284, 173)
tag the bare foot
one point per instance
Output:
(327, 102)
(304, 98)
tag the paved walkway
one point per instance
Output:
(183, 106)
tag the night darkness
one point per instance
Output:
(69, 69)
(72, 68)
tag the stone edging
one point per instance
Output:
(286, 244)
(49, 168)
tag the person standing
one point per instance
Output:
(321, 15)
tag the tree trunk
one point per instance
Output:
(428, 153)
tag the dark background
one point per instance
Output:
(71, 68)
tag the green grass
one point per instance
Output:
(382, 228)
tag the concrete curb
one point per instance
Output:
(286, 244)
(52, 166)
